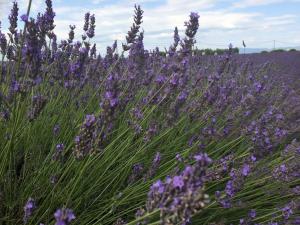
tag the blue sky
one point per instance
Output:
(258, 22)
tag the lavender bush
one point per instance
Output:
(146, 137)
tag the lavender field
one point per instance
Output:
(144, 136)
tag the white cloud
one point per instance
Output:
(3, 8)
(97, 1)
(250, 3)
(278, 21)
(6, 5)
(218, 26)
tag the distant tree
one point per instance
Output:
(218, 51)
(161, 53)
(236, 50)
(208, 51)
(292, 50)
(278, 50)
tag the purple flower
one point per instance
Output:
(49, 16)
(174, 80)
(64, 216)
(287, 211)
(60, 147)
(58, 153)
(283, 168)
(176, 42)
(296, 221)
(203, 158)
(24, 18)
(296, 190)
(160, 79)
(178, 182)
(191, 29)
(113, 102)
(157, 158)
(71, 33)
(91, 31)
(258, 86)
(280, 132)
(134, 30)
(86, 21)
(89, 120)
(29, 207)
(93, 52)
(38, 80)
(77, 139)
(111, 97)
(155, 164)
(229, 189)
(252, 213)
(159, 186)
(178, 157)
(137, 172)
(38, 104)
(177, 195)
(246, 170)
(16, 86)
(138, 114)
(279, 116)
(13, 18)
(84, 141)
(183, 96)
(194, 15)
(3, 43)
(188, 171)
(233, 174)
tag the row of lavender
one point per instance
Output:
(173, 138)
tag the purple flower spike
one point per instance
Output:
(246, 170)
(84, 140)
(287, 211)
(29, 207)
(252, 213)
(13, 18)
(64, 216)
(89, 120)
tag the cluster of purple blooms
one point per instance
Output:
(38, 103)
(84, 142)
(62, 216)
(290, 170)
(180, 196)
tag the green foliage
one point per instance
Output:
(278, 50)
(218, 51)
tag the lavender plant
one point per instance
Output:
(148, 138)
